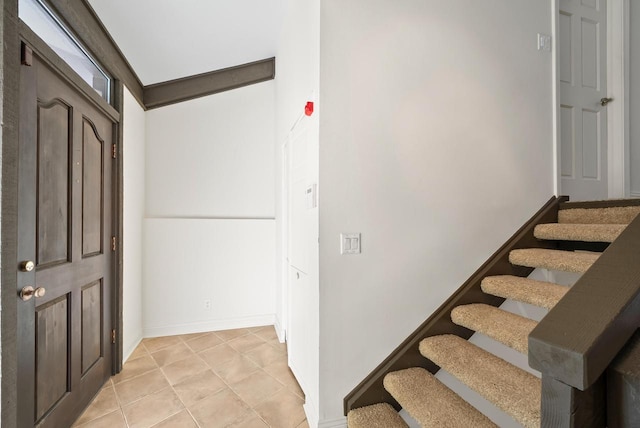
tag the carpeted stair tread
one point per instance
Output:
(430, 402)
(505, 327)
(613, 215)
(538, 293)
(381, 415)
(579, 232)
(511, 389)
(565, 261)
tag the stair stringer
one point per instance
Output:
(371, 389)
(488, 344)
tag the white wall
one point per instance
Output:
(209, 231)
(297, 81)
(435, 144)
(213, 156)
(231, 263)
(133, 119)
(634, 102)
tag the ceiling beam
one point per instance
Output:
(200, 85)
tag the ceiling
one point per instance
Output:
(169, 39)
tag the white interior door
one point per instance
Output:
(301, 296)
(298, 212)
(582, 45)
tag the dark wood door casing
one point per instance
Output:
(66, 183)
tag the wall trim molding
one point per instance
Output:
(618, 42)
(180, 217)
(200, 85)
(79, 16)
(333, 423)
(129, 350)
(279, 330)
(209, 325)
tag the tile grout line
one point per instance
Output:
(209, 368)
(229, 385)
(126, 421)
(284, 386)
(185, 407)
(168, 381)
(195, 421)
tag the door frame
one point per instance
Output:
(284, 236)
(13, 31)
(618, 179)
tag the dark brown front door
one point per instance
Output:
(65, 228)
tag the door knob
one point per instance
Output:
(605, 101)
(28, 292)
(27, 266)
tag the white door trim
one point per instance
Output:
(617, 83)
(618, 111)
(284, 236)
(555, 87)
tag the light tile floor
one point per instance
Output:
(232, 378)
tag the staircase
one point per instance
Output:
(573, 243)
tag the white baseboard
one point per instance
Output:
(635, 194)
(126, 353)
(311, 414)
(279, 330)
(211, 325)
(333, 423)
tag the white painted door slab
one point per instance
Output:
(299, 216)
(299, 340)
(582, 70)
(303, 299)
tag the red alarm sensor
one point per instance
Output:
(308, 109)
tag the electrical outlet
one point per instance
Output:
(207, 305)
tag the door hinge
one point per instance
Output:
(26, 55)
(113, 150)
(113, 336)
(113, 243)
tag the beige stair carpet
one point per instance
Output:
(380, 415)
(566, 261)
(538, 293)
(615, 215)
(579, 232)
(432, 403)
(511, 389)
(505, 327)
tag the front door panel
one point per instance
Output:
(65, 223)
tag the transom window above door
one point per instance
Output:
(50, 28)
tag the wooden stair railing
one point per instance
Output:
(371, 389)
(575, 344)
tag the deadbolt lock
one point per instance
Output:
(28, 292)
(27, 266)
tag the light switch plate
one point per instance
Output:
(544, 42)
(350, 243)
